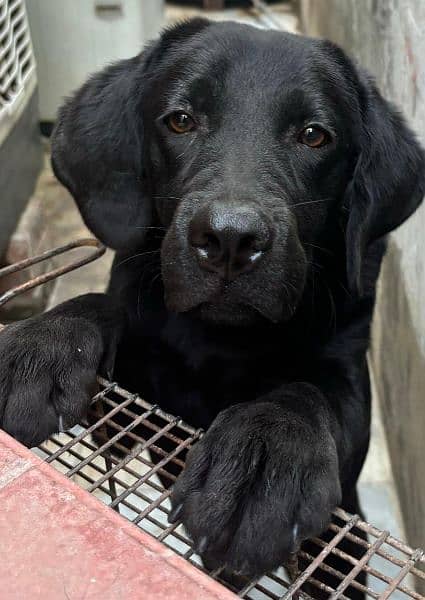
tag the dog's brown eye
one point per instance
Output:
(180, 122)
(314, 137)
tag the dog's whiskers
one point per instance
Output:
(155, 278)
(333, 312)
(139, 291)
(138, 255)
(310, 202)
(319, 248)
(149, 227)
(186, 149)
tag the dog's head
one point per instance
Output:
(250, 148)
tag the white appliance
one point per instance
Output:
(20, 144)
(73, 38)
(17, 65)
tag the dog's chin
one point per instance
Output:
(227, 306)
(224, 314)
(222, 310)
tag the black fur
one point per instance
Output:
(272, 363)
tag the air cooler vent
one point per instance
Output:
(16, 55)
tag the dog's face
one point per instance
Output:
(249, 145)
(249, 150)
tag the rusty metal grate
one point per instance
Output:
(96, 251)
(116, 457)
(119, 470)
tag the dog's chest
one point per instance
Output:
(199, 394)
(193, 377)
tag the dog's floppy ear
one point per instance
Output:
(388, 183)
(97, 154)
(97, 145)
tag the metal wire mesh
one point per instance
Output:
(127, 468)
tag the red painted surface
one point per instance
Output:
(57, 541)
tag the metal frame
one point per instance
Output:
(126, 480)
(98, 251)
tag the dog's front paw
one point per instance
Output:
(48, 374)
(259, 482)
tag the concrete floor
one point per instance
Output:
(376, 487)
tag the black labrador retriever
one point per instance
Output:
(247, 180)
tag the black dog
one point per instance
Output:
(247, 180)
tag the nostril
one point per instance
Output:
(247, 243)
(212, 243)
(253, 245)
(206, 243)
(249, 250)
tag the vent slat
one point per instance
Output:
(16, 53)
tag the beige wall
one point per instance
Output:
(388, 38)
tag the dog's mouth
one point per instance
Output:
(228, 314)
(265, 298)
(224, 306)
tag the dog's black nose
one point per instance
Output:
(229, 240)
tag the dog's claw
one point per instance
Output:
(61, 425)
(202, 546)
(295, 537)
(175, 513)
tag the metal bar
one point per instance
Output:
(248, 587)
(392, 541)
(380, 552)
(155, 504)
(139, 448)
(167, 416)
(320, 558)
(359, 566)
(370, 570)
(152, 426)
(137, 438)
(332, 571)
(169, 530)
(153, 470)
(322, 586)
(111, 441)
(125, 468)
(36, 281)
(90, 429)
(402, 574)
(113, 470)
